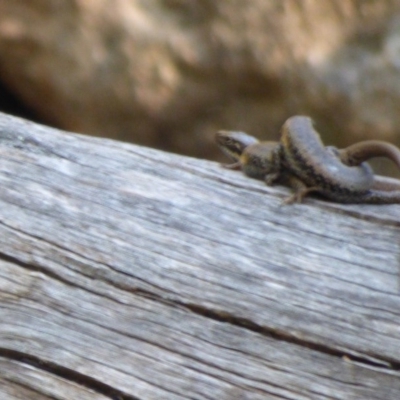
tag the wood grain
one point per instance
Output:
(129, 273)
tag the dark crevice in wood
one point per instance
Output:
(137, 291)
(223, 316)
(35, 268)
(67, 374)
(31, 267)
(52, 275)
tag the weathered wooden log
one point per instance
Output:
(129, 273)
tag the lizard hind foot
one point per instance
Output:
(299, 195)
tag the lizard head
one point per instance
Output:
(233, 143)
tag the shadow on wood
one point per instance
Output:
(129, 273)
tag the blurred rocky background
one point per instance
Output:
(169, 73)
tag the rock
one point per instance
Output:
(170, 73)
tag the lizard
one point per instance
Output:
(301, 161)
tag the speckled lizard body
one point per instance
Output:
(301, 161)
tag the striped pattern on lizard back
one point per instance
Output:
(303, 153)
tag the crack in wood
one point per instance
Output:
(67, 374)
(222, 316)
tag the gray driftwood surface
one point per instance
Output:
(129, 273)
